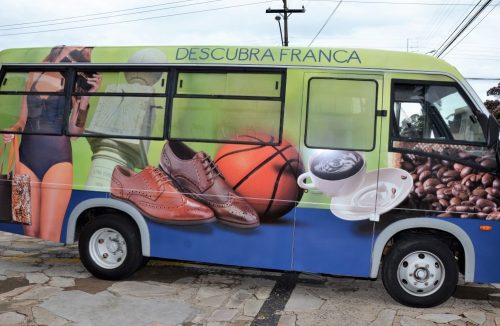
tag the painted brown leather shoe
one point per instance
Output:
(154, 194)
(197, 175)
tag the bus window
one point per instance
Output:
(126, 103)
(32, 102)
(456, 113)
(414, 120)
(341, 114)
(436, 120)
(236, 84)
(10, 110)
(428, 112)
(221, 106)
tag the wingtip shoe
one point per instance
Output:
(154, 194)
(197, 175)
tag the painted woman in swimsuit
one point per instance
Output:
(47, 159)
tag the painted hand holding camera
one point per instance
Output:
(355, 193)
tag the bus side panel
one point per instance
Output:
(340, 133)
(78, 196)
(326, 244)
(12, 228)
(267, 246)
(485, 243)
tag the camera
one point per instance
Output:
(82, 79)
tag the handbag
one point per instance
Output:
(21, 191)
(20, 188)
(21, 199)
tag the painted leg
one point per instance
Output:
(56, 193)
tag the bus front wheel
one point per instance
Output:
(110, 247)
(420, 272)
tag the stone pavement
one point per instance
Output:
(43, 283)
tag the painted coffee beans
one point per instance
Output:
(447, 189)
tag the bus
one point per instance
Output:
(352, 162)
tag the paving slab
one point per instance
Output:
(42, 316)
(440, 318)
(105, 309)
(12, 318)
(475, 316)
(287, 320)
(408, 321)
(142, 289)
(37, 278)
(303, 300)
(252, 307)
(47, 285)
(384, 318)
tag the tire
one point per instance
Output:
(420, 272)
(110, 247)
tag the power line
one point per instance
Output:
(106, 17)
(481, 78)
(326, 22)
(437, 19)
(462, 16)
(447, 43)
(397, 3)
(136, 20)
(473, 28)
(452, 33)
(96, 14)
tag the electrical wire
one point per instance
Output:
(396, 3)
(481, 78)
(326, 22)
(96, 14)
(436, 20)
(439, 53)
(460, 24)
(136, 20)
(109, 16)
(470, 31)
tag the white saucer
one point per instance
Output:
(394, 185)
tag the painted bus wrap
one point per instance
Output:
(300, 159)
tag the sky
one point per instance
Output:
(400, 25)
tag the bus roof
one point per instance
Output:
(248, 55)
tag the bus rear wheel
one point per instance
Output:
(420, 272)
(110, 247)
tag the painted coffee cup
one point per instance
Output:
(334, 172)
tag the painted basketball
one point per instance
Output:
(265, 175)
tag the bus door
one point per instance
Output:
(340, 149)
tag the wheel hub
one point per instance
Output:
(107, 248)
(421, 273)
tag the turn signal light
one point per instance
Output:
(485, 228)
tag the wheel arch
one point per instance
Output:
(113, 204)
(424, 223)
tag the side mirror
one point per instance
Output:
(492, 133)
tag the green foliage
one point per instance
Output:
(494, 91)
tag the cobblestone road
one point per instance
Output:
(43, 283)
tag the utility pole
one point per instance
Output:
(285, 13)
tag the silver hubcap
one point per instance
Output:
(421, 273)
(107, 248)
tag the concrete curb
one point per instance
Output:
(478, 292)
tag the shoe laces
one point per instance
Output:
(211, 169)
(160, 178)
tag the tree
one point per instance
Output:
(494, 105)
